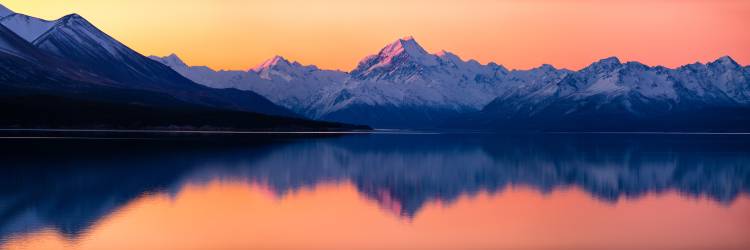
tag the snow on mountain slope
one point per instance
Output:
(289, 84)
(25, 68)
(400, 60)
(204, 75)
(73, 36)
(401, 84)
(279, 68)
(404, 74)
(610, 77)
(294, 85)
(74, 40)
(404, 86)
(30, 28)
(610, 93)
(723, 75)
(430, 87)
(14, 45)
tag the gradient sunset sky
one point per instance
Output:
(336, 34)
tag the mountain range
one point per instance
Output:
(67, 73)
(53, 72)
(404, 86)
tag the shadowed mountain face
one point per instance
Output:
(72, 58)
(73, 77)
(613, 96)
(69, 185)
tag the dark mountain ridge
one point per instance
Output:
(75, 76)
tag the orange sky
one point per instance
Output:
(336, 34)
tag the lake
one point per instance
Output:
(376, 191)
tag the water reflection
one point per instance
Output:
(70, 185)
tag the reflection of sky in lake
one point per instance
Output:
(73, 188)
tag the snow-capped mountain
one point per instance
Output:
(74, 45)
(10, 44)
(610, 94)
(401, 86)
(295, 86)
(403, 59)
(288, 84)
(18, 59)
(201, 74)
(74, 38)
(28, 27)
(404, 86)
(431, 80)
(25, 66)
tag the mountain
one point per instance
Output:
(23, 64)
(288, 84)
(69, 78)
(204, 75)
(402, 59)
(39, 90)
(28, 27)
(611, 95)
(74, 39)
(13, 46)
(403, 86)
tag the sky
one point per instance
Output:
(337, 34)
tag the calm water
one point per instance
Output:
(470, 191)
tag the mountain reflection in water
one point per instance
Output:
(69, 185)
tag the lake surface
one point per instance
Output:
(377, 191)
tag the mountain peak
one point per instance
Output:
(172, 60)
(404, 52)
(273, 62)
(75, 20)
(545, 67)
(612, 60)
(5, 11)
(28, 27)
(71, 17)
(73, 29)
(404, 45)
(605, 64)
(726, 61)
(447, 54)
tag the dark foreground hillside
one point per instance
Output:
(39, 111)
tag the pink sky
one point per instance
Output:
(336, 34)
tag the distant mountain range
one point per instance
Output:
(404, 86)
(67, 73)
(63, 65)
